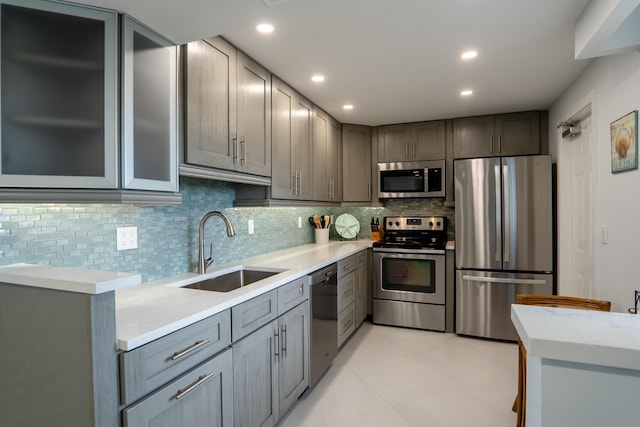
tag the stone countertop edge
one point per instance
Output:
(77, 280)
(154, 309)
(583, 336)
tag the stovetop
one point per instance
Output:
(414, 233)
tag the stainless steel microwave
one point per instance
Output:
(411, 179)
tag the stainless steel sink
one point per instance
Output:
(230, 281)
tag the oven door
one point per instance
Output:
(411, 277)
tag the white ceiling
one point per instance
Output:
(395, 60)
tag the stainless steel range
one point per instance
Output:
(409, 273)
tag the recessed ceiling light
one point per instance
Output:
(470, 54)
(265, 28)
(466, 92)
(317, 78)
(347, 107)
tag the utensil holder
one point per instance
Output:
(322, 236)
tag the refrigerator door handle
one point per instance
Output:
(507, 214)
(497, 241)
(504, 280)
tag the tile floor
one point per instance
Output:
(397, 377)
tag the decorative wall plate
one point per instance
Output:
(347, 226)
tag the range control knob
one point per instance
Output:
(430, 223)
(438, 223)
(390, 223)
(397, 223)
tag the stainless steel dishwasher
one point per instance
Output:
(324, 321)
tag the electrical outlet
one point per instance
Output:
(299, 222)
(250, 226)
(126, 238)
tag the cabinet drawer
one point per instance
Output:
(361, 258)
(346, 290)
(152, 365)
(346, 265)
(346, 323)
(207, 392)
(250, 315)
(292, 294)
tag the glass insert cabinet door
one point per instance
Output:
(149, 119)
(58, 107)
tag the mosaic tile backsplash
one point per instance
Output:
(84, 235)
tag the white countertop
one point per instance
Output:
(154, 309)
(584, 336)
(66, 279)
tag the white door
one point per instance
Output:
(579, 277)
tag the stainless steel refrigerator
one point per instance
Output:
(504, 239)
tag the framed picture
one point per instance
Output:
(624, 143)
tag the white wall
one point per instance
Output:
(612, 84)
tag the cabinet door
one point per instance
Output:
(255, 376)
(518, 133)
(334, 161)
(302, 129)
(211, 104)
(294, 356)
(356, 163)
(393, 143)
(428, 140)
(59, 115)
(202, 397)
(149, 97)
(254, 117)
(319, 142)
(473, 137)
(361, 294)
(283, 175)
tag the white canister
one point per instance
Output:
(322, 235)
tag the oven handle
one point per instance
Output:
(504, 280)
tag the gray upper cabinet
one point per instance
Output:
(59, 96)
(500, 135)
(356, 163)
(326, 155)
(411, 142)
(149, 119)
(291, 143)
(254, 117)
(228, 109)
(210, 103)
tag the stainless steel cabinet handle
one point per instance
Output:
(491, 144)
(299, 183)
(301, 290)
(201, 380)
(276, 337)
(500, 143)
(284, 340)
(415, 149)
(235, 149)
(243, 150)
(503, 280)
(369, 190)
(186, 351)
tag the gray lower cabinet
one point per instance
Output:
(201, 397)
(361, 284)
(271, 368)
(346, 298)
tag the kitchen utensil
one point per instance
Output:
(316, 220)
(347, 226)
(327, 221)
